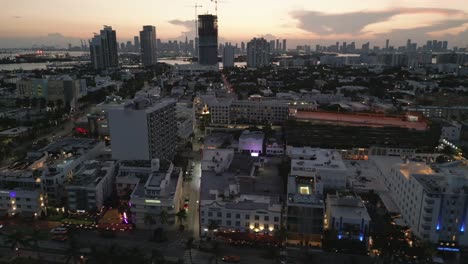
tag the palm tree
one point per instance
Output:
(35, 236)
(212, 225)
(42, 103)
(188, 246)
(157, 257)
(15, 240)
(73, 251)
(34, 102)
(215, 249)
(51, 104)
(59, 104)
(163, 217)
(181, 215)
(149, 220)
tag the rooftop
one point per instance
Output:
(361, 119)
(317, 158)
(91, 173)
(243, 185)
(347, 207)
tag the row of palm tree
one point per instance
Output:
(151, 219)
(19, 239)
(40, 103)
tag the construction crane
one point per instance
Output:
(216, 6)
(196, 6)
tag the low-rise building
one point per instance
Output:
(323, 163)
(162, 191)
(63, 158)
(251, 142)
(238, 196)
(91, 185)
(347, 215)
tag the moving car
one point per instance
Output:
(232, 259)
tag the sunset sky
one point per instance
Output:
(239, 20)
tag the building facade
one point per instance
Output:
(148, 45)
(258, 53)
(103, 49)
(207, 39)
(143, 129)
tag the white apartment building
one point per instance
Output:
(143, 129)
(258, 53)
(347, 214)
(130, 173)
(161, 191)
(251, 142)
(235, 196)
(21, 192)
(91, 185)
(432, 202)
(324, 164)
(63, 159)
(185, 117)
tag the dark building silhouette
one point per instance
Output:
(103, 49)
(208, 39)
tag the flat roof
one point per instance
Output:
(360, 119)
(347, 207)
(323, 159)
(265, 187)
(91, 173)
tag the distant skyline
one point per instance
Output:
(57, 22)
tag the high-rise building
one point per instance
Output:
(228, 56)
(284, 45)
(243, 47)
(387, 43)
(208, 39)
(136, 42)
(408, 45)
(258, 53)
(143, 129)
(272, 45)
(148, 45)
(103, 49)
(445, 45)
(278, 45)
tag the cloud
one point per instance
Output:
(188, 28)
(356, 23)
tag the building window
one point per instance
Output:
(257, 225)
(237, 216)
(266, 218)
(257, 217)
(228, 223)
(266, 226)
(247, 224)
(228, 215)
(219, 214)
(276, 227)
(276, 219)
(247, 216)
(210, 213)
(237, 223)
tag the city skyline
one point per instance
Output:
(298, 21)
